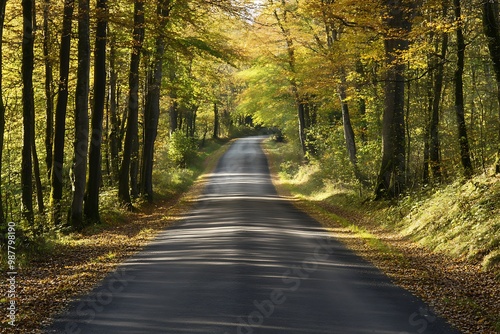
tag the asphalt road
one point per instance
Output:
(245, 261)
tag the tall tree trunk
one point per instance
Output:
(362, 106)
(173, 113)
(434, 144)
(427, 133)
(391, 181)
(133, 104)
(37, 176)
(216, 121)
(349, 137)
(459, 95)
(192, 127)
(114, 136)
(173, 109)
(91, 204)
(28, 110)
(282, 22)
(49, 94)
(491, 27)
(2, 109)
(80, 147)
(152, 112)
(60, 114)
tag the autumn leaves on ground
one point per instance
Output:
(70, 265)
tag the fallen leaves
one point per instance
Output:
(457, 289)
(47, 285)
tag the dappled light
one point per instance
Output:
(245, 260)
(247, 153)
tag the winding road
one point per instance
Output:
(245, 261)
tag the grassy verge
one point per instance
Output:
(72, 264)
(439, 258)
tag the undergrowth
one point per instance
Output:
(461, 219)
(170, 181)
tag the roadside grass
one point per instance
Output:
(441, 244)
(461, 220)
(63, 266)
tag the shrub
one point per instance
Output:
(181, 149)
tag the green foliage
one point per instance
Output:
(181, 149)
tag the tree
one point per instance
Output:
(49, 96)
(60, 113)
(435, 144)
(28, 111)
(114, 136)
(436, 69)
(491, 27)
(80, 147)
(152, 112)
(131, 135)
(391, 180)
(91, 205)
(282, 16)
(463, 139)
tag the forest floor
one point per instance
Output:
(456, 288)
(79, 261)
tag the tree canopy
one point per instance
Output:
(390, 95)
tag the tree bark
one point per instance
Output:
(60, 114)
(133, 105)
(349, 137)
(491, 27)
(391, 181)
(348, 130)
(459, 95)
(91, 203)
(49, 94)
(173, 109)
(80, 147)
(152, 112)
(216, 122)
(434, 144)
(37, 176)
(114, 136)
(28, 110)
(426, 177)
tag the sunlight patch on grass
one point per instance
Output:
(461, 219)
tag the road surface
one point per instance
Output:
(245, 261)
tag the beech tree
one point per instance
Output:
(391, 179)
(491, 26)
(60, 113)
(463, 138)
(282, 15)
(49, 94)
(81, 115)
(131, 135)
(28, 111)
(152, 111)
(91, 205)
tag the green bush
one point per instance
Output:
(181, 149)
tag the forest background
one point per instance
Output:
(390, 107)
